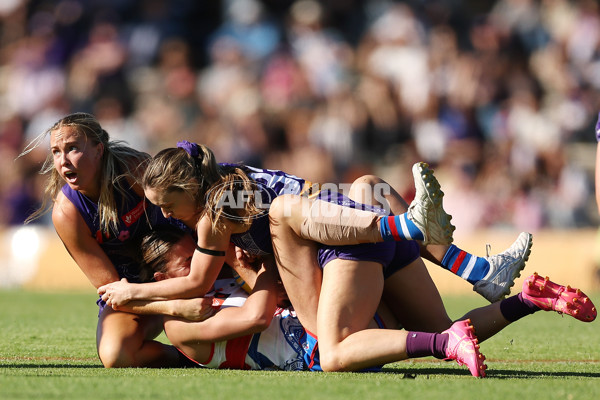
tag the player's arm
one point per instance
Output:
(78, 240)
(205, 267)
(197, 309)
(254, 316)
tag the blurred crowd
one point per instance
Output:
(500, 97)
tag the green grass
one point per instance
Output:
(47, 351)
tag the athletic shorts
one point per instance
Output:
(406, 252)
(393, 256)
(101, 305)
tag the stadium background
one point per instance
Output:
(500, 97)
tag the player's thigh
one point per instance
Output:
(350, 294)
(297, 263)
(118, 328)
(413, 298)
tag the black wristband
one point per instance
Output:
(216, 253)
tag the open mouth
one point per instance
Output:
(70, 176)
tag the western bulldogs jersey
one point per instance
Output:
(278, 347)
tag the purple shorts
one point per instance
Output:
(381, 253)
(393, 256)
(101, 305)
(406, 252)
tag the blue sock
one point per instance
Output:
(399, 227)
(469, 267)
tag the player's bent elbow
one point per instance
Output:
(258, 322)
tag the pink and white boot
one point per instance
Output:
(464, 348)
(550, 296)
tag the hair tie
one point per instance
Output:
(191, 148)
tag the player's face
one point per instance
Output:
(176, 204)
(77, 160)
(180, 257)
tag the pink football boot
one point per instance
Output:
(464, 348)
(550, 296)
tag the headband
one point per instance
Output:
(191, 148)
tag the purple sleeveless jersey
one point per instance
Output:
(137, 216)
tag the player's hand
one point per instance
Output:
(197, 309)
(116, 293)
(245, 258)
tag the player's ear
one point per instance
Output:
(99, 150)
(159, 276)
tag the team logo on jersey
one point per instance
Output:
(240, 200)
(293, 331)
(124, 235)
(133, 215)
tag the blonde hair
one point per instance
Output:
(205, 181)
(118, 163)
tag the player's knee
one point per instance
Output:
(276, 209)
(331, 362)
(282, 207)
(113, 355)
(367, 180)
(173, 332)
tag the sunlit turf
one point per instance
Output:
(47, 351)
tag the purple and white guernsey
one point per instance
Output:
(270, 183)
(137, 216)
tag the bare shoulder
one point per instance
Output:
(65, 216)
(63, 208)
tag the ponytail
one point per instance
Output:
(193, 169)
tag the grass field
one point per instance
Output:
(47, 351)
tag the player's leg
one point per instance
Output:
(296, 260)
(538, 294)
(413, 299)
(349, 296)
(492, 276)
(125, 340)
(183, 334)
(326, 222)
